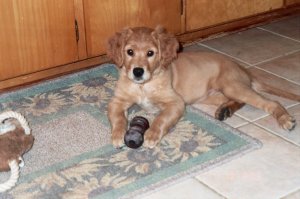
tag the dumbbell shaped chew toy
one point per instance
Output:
(134, 137)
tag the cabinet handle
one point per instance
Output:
(76, 31)
(181, 7)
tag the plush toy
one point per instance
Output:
(14, 142)
(134, 137)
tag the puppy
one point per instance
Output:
(154, 76)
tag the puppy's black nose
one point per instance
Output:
(138, 72)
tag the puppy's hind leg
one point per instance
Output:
(244, 94)
(226, 106)
(227, 109)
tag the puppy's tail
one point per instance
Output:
(261, 86)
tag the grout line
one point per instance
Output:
(290, 193)
(277, 57)
(261, 117)
(292, 105)
(292, 81)
(241, 116)
(210, 188)
(278, 34)
(253, 120)
(277, 134)
(238, 59)
(240, 125)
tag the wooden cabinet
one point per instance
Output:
(36, 35)
(205, 13)
(103, 18)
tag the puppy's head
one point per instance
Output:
(142, 52)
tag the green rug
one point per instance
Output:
(72, 156)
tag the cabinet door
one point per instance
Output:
(35, 35)
(103, 18)
(204, 13)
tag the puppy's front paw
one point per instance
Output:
(118, 139)
(152, 138)
(287, 122)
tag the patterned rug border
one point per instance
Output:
(254, 144)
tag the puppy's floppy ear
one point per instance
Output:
(167, 44)
(116, 44)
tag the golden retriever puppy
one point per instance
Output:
(154, 76)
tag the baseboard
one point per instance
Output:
(33, 78)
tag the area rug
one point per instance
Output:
(72, 156)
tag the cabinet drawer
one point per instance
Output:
(205, 13)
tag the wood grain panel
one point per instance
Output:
(205, 13)
(35, 35)
(103, 18)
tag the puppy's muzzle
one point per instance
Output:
(138, 72)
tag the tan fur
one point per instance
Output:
(169, 82)
(12, 146)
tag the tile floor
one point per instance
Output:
(272, 51)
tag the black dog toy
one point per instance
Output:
(134, 137)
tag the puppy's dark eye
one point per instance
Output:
(130, 52)
(150, 53)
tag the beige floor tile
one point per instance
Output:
(188, 189)
(254, 45)
(251, 113)
(234, 121)
(287, 66)
(292, 136)
(235, 59)
(269, 172)
(289, 27)
(200, 48)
